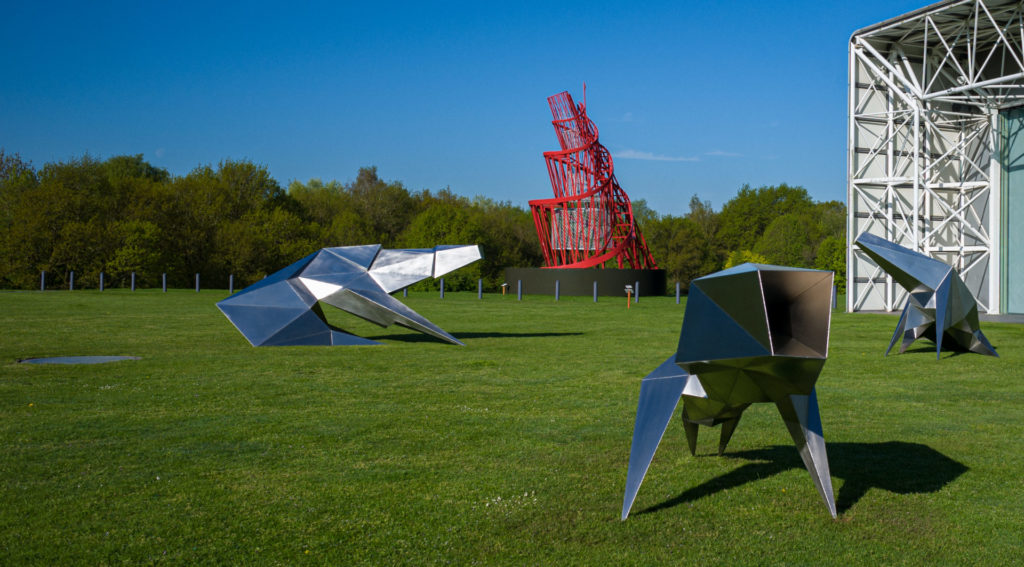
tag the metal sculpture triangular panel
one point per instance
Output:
(722, 365)
(284, 309)
(936, 299)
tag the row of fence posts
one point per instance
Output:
(405, 291)
(163, 278)
(634, 289)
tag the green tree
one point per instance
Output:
(446, 222)
(790, 240)
(643, 214)
(746, 217)
(16, 177)
(686, 247)
(678, 247)
(193, 210)
(365, 211)
(507, 238)
(140, 251)
(830, 217)
(738, 257)
(320, 202)
(244, 186)
(59, 224)
(262, 242)
(384, 209)
(832, 256)
(122, 170)
(794, 239)
(18, 185)
(705, 217)
(707, 220)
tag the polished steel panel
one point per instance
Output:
(395, 269)
(450, 258)
(659, 395)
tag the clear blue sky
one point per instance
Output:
(690, 97)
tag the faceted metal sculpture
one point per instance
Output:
(283, 309)
(752, 333)
(936, 298)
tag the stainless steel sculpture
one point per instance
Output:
(936, 298)
(752, 333)
(283, 309)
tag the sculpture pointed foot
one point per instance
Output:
(659, 395)
(728, 427)
(804, 423)
(692, 430)
(899, 331)
(981, 345)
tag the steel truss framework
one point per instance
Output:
(926, 90)
(590, 220)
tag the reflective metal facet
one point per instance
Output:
(936, 299)
(284, 308)
(752, 333)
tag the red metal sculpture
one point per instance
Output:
(590, 221)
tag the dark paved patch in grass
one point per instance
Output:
(77, 359)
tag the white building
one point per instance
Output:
(936, 148)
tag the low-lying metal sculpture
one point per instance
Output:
(752, 333)
(283, 309)
(936, 298)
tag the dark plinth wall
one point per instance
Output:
(541, 281)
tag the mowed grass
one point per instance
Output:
(510, 450)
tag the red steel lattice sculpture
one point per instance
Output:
(589, 222)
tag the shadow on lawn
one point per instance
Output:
(930, 349)
(421, 338)
(903, 468)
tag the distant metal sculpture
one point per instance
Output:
(283, 309)
(936, 298)
(752, 333)
(590, 220)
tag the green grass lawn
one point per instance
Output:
(510, 450)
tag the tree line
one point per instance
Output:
(779, 225)
(122, 215)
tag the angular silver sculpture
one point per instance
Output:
(752, 333)
(283, 309)
(936, 298)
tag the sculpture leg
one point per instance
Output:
(691, 432)
(973, 341)
(918, 324)
(804, 423)
(659, 394)
(908, 339)
(899, 330)
(728, 427)
(942, 307)
(981, 345)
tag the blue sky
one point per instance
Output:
(690, 97)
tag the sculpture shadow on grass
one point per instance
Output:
(895, 466)
(419, 338)
(950, 353)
